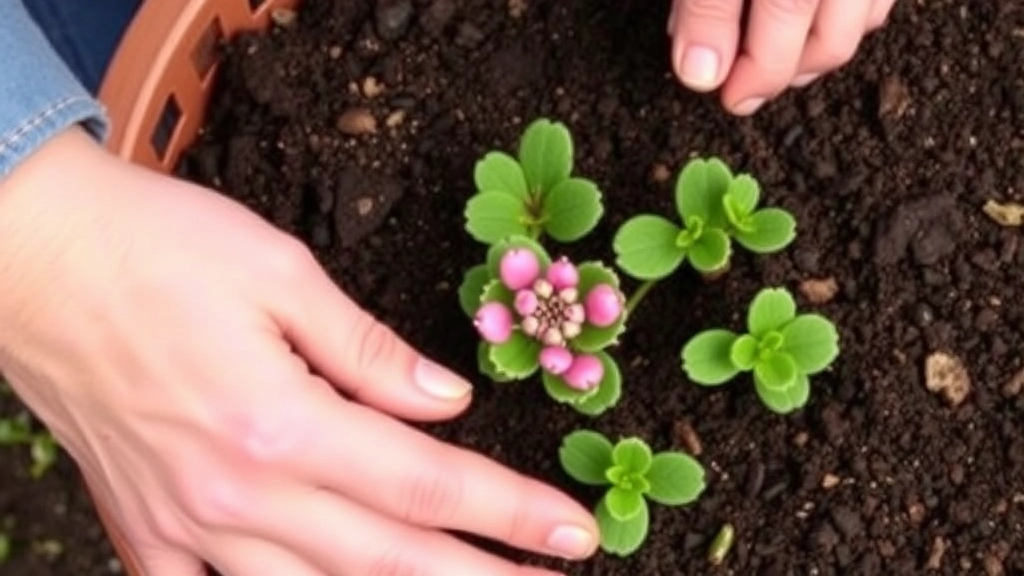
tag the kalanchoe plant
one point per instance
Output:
(634, 475)
(713, 206)
(535, 193)
(534, 313)
(781, 348)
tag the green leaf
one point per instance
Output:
(623, 504)
(44, 454)
(771, 230)
(593, 338)
(471, 290)
(710, 253)
(608, 391)
(743, 353)
(618, 537)
(486, 366)
(813, 342)
(516, 357)
(785, 400)
(498, 249)
(14, 431)
(776, 371)
(545, 153)
(771, 309)
(675, 478)
(561, 392)
(586, 455)
(700, 188)
(646, 248)
(495, 291)
(633, 454)
(491, 216)
(706, 357)
(571, 209)
(499, 172)
(744, 193)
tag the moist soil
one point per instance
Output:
(886, 164)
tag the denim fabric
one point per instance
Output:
(39, 95)
(85, 33)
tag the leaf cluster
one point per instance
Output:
(714, 208)
(780, 347)
(534, 193)
(634, 475)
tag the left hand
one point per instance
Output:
(785, 43)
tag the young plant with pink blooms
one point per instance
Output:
(534, 313)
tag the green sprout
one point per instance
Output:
(5, 547)
(535, 193)
(781, 348)
(635, 476)
(17, 431)
(713, 206)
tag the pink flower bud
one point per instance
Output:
(576, 314)
(530, 326)
(569, 295)
(604, 306)
(526, 302)
(543, 288)
(585, 373)
(552, 337)
(494, 322)
(563, 274)
(555, 359)
(519, 268)
(571, 330)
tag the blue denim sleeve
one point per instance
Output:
(39, 96)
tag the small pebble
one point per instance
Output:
(688, 437)
(372, 87)
(819, 291)
(393, 18)
(395, 118)
(945, 374)
(829, 481)
(357, 122)
(283, 17)
(1014, 385)
(935, 556)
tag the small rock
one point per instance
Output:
(688, 437)
(893, 98)
(829, 481)
(993, 565)
(660, 173)
(364, 205)
(1014, 385)
(436, 18)
(886, 549)
(916, 513)
(935, 556)
(357, 122)
(283, 17)
(1010, 214)
(392, 17)
(372, 87)
(946, 375)
(848, 521)
(516, 8)
(395, 119)
(335, 52)
(800, 439)
(819, 291)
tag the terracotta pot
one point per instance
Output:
(156, 92)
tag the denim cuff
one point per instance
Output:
(39, 96)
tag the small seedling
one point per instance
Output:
(635, 476)
(535, 193)
(781, 348)
(17, 431)
(714, 206)
(534, 313)
(5, 547)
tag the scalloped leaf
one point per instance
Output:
(499, 172)
(495, 291)
(621, 538)
(701, 185)
(516, 357)
(770, 230)
(586, 455)
(706, 357)
(486, 367)
(571, 209)
(546, 155)
(593, 338)
(743, 194)
(711, 252)
(633, 454)
(786, 400)
(645, 247)
(491, 216)
(771, 309)
(813, 342)
(743, 353)
(498, 249)
(471, 290)
(776, 371)
(624, 504)
(676, 479)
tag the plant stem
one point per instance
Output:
(638, 296)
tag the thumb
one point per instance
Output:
(365, 358)
(705, 38)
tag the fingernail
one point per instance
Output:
(571, 542)
(439, 382)
(748, 106)
(699, 68)
(805, 79)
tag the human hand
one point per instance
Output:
(189, 357)
(785, 43)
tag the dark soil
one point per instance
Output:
(886, 165)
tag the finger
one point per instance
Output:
(773, 46)
(835, 36)
(363, 357)
(705, 37)
(241, 556)
(402, 472)
(880, 10)
(345, 538)
(165, 562)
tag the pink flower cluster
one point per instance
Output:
(547, 307)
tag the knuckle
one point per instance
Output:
(213, 500)
(433, 498)
(516, 529)
(374, 342)
(394, 562)
(719, 10)
(290, 258)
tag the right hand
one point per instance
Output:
(189, 356)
